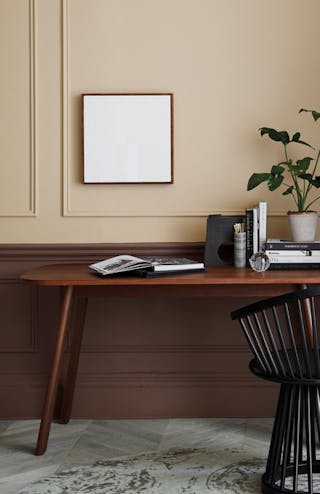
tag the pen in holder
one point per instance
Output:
(239, 249)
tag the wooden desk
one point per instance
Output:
(80, 283)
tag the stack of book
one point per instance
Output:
(286, 254)
(256, 229)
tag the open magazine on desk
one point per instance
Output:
(146, 265)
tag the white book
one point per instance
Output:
(262, 225)
(255, 239)
(295, 253)
(294, 259)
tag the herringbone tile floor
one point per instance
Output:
(83, 442)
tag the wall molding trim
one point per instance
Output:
(87, 252)
(156, 349)
(33, 154)
(67, 209)
(145, 380)
(161, 214)
(169, 379)
(32, 209)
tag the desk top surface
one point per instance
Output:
(81, 275)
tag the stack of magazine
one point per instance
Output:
(286, 254)
(148, 266)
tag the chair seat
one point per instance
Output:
(304, 368)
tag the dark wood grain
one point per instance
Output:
(47, 412)
(81, 275)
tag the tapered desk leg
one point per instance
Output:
(68, 392)
(49, 403)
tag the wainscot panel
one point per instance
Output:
(140, 357)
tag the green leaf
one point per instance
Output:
(276, 135)
(288, 191)
(306, 176)
(314, 181)
(277, 169)
(274, 182)
(294, 169)
(301, 166)
(296, 138)
(257, 179)
(304, 163)
(315, 114)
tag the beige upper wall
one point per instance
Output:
(233, 66)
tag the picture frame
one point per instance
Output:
(127, 138)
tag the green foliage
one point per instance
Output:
(301, 173)
(314, 113)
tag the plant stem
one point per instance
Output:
(314, 200)
(310, 185)
(313, 172)
(300, 199)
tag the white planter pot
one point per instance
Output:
(303, 226)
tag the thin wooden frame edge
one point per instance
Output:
(171, 95)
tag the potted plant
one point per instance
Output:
(298, 178)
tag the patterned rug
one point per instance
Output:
(184, 471)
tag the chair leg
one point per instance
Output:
(292, 460)
(277, 428)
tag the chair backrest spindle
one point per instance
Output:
(292, 338)
(282, 333)
(254, 343)
(281, 368)
(265, 346)
(282, 343)
(303, 328)
(315, 337)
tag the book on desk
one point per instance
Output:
(256, 229)
(147, 266)
(287, 254)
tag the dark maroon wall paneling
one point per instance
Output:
(140, 357)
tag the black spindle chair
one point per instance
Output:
(283, 334)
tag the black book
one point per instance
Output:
(294, 265)
(279, 244)
(249, 234)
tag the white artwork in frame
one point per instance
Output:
(128, 138)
